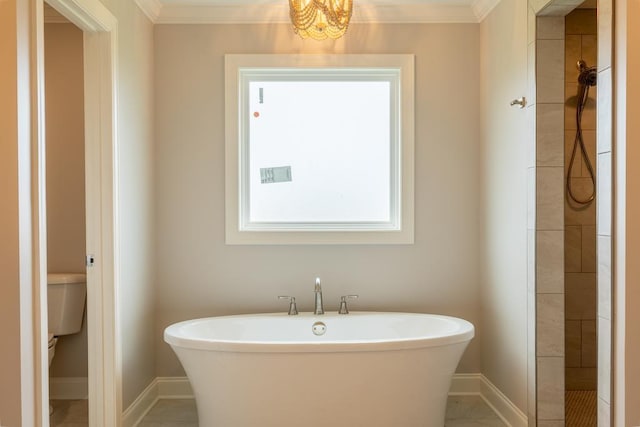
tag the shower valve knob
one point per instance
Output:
(522, 102)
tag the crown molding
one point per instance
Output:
(175, 12)
(413, 14)
(56, 19)
(52, 16)
(482, 8)
(151, 8)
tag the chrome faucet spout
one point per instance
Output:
(319, 308)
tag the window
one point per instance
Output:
(319, 149)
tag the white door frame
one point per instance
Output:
(100, 94)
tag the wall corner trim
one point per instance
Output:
(479, 385)
(482, 8)
(462, 385)
(151, 8)
(142, 405)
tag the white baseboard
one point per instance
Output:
(68, 388)
(510, 413)
(160, 388)
(141, 406)
(462, 384)
(478, 384)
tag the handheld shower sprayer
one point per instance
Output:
(588, 77)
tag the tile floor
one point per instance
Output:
(69, 413)
(462, 411)
(581, 408)
(470, 411)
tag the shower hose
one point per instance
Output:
(587, 78)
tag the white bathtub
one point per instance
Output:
(368, 369)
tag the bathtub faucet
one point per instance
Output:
(318, 291)
(293, 309)
(343, 303)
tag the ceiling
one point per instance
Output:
(277, 11)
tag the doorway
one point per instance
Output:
(66, 229)
(98, 27)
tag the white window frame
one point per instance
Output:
(240, 70)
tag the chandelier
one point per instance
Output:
(320, 19)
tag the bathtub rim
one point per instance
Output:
(465, 334)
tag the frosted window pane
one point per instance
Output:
(334, 136)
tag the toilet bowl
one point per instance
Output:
(52, 351)
(52, 347)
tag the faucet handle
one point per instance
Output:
(343, 303)
(293, 310)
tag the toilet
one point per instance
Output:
(66, 297)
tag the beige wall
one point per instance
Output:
(198, 275)
(136, 190)
(631, 293)
(64, 97)
(633, 225)
(10, 298)
(503, 167)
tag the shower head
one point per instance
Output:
(588, 75)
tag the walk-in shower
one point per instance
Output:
(580, 305)
(588, 77)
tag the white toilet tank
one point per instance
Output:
(66, 296)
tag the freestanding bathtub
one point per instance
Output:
(364, 369)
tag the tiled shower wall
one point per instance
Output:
(546, 224)
(605, 148)
(580, 219)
